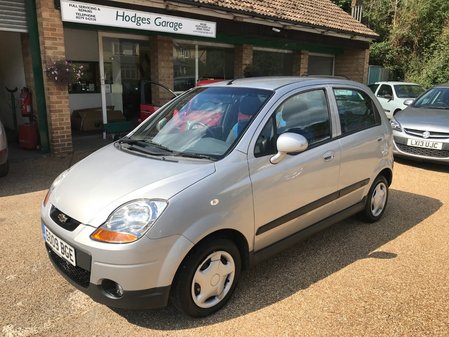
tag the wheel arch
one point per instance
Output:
(229, 234)
(388, 174)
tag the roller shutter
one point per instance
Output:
(13, 16)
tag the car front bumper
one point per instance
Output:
(401, 148)
(79, 277)
(142, 271)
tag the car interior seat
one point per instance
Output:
(248, 106)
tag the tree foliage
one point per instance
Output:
(414, 38)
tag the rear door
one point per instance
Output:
(363, 142)
(299, 190)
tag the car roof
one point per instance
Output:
(396, 82)
(276, 82)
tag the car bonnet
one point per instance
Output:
(419, 118)
(108, 178)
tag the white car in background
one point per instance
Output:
(392, 95)
(4, 164)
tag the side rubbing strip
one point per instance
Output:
(310, 207)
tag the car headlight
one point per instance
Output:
(130, 221)
(395, 124)
(53, 185)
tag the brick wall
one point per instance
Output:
(301, 63)
(161, 67)
(353, 63)
(243, 56)
(51, 36)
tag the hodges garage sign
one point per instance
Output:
(86, 13)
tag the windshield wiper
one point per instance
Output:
(159, 146)
(141, 144)
(196, 155)
(130, 141)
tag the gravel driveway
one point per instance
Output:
(390, 278)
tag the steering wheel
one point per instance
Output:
(197, 125)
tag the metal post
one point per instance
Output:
(36, 61)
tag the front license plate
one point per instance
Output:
(60, 247)
(427, 144)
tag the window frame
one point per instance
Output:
(378, 117)
(271, 118)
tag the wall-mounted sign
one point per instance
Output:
(86, 13)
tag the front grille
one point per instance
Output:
(78, 275)
(423, 151)
(63, 220)
(432, 134)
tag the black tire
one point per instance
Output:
(186, 294)
(4, 168)
(376, 200)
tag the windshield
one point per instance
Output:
(408, 91)
(203, 123)
(435, 98)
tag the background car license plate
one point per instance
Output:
(59, 246)
(425, 144)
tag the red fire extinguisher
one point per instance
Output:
(26, 102)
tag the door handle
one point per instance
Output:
(328, 156)
(380, 139)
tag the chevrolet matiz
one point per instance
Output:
(216, 180)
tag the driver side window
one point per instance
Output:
(306, 114)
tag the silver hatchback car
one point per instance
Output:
(219, 178)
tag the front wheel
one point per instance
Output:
(207, 278)
(376, 200)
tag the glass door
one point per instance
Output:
(124, 66)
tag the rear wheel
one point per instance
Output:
(376, 200)
(207, 278)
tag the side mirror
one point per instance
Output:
(408, 101)
(289, 143)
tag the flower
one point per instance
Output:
(64, 72)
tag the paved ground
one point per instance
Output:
(390, 278)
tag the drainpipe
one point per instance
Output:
(35, 50)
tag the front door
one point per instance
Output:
(299, 190)
(125, 64)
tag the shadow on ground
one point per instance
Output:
(32, 171)
(303, 265)
(424, 165)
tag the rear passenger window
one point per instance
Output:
(356, 110)
(306, 114)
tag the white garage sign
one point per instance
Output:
(92, 14)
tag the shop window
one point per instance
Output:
(193, 63)
(321, 65)
(90, 81)
(270, 63)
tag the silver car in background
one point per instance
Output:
(4, 163)
(216, 180)
(421, 131)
